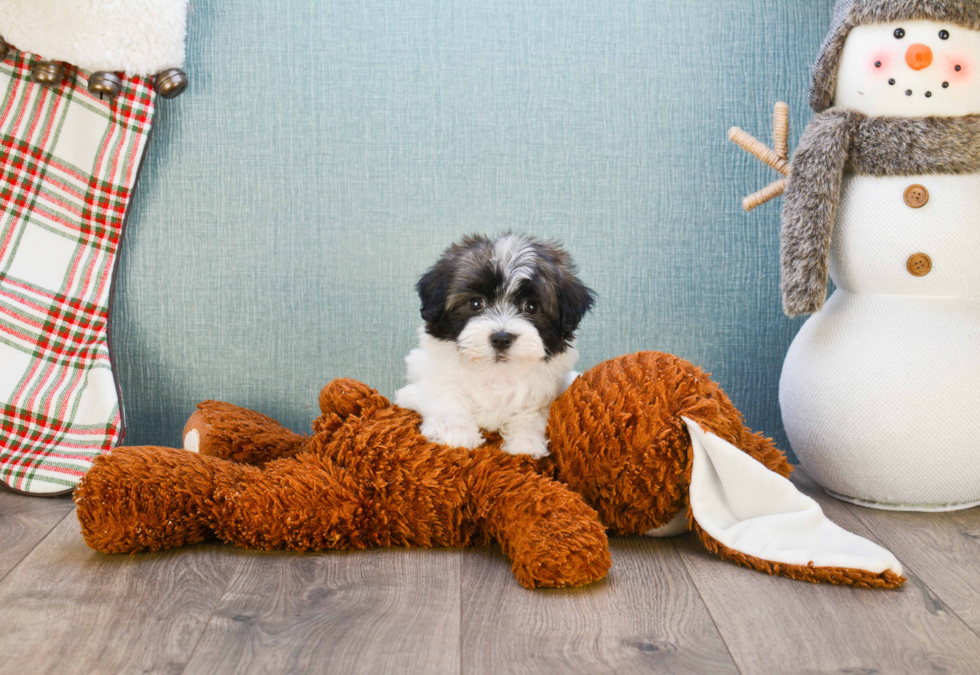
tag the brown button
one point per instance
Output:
(916, 196)
(920, 265)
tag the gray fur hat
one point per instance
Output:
(851, 13)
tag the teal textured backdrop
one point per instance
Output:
(326, 152)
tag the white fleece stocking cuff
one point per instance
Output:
(136, 37)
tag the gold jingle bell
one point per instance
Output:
(171, 83)
(104, 85)
(4, 49)
(48, 73)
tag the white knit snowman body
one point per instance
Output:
(880, 391)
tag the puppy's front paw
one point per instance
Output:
(449, 433)
(534, 446)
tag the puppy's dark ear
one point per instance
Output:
(575, 299)
(432, 288)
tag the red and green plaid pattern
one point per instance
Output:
(68, 165)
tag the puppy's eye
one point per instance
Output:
(899, 33)
(944, 35)
(530, 307)
(477, 304)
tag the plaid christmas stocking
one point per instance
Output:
(69, 160)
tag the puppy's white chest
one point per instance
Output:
(496, 397)
(497, 384)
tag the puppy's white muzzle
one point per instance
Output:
(501, 336)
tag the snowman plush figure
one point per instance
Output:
(880, 391)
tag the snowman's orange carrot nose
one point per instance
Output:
(919, 57)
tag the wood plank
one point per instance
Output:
(776, 625)
(24, 521)
(645, 617)
(943, 549)
(394, 610)
(68, 609)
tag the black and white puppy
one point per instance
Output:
(498, 344)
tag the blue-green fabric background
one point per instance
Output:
(327, 151)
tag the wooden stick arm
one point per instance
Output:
(777, 158)
(755, 147)
(766, 194)
(780, 131)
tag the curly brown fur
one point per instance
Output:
(367, 478)
(823, 85)
(371, 481)
(832, 575)
(621, 442)
(147, 499)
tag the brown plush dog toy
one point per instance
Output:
(626, 441)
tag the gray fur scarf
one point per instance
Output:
(840, 141)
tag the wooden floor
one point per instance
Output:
(666, 607)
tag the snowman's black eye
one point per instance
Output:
(944, 35)
(899, 33)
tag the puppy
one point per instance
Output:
(498, 344)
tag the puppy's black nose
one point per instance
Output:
(502, 341)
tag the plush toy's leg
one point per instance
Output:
(309, 502)
(747, 513)
(148, 499)
(229, 432)
(305, 503)
(553, 538)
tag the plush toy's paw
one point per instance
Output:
(145, 499)
(345, 397)
(550, 556)
(452, 433)
(532, 445)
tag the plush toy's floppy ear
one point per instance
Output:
(575, 299)
(744, 512)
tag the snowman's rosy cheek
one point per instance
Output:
(880, 63)
(958, 69)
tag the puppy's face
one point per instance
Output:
(508, 300)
